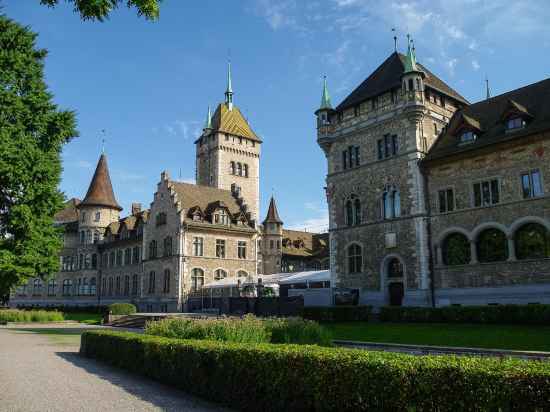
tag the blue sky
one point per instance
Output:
(149, 84)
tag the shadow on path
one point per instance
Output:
(162, 396)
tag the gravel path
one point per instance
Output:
(39, 372)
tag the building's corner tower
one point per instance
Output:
(98, 209)
(272, 238)
(228, 153)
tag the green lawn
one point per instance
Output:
(515, 337)
(87, 318)
(59, 336)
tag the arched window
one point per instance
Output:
(355, 258)
(395, 268)
(67, 287)
(168, 246)
(391, 203)
(197, 279)
(88, 236)
(242, 274)
(166, 288)
(152, 282)
(232, 169)
(37, 287)
(85, 287)
(353, 211)
(492, 246)
(239, 169)
(152, 249)
(456, 250)
(532, 241)
(96, 236)
(220, 274)
(245, 168)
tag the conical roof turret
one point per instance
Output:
(272, 213)
(100, 192)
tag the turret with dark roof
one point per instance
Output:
(100, 192)
(272, 213)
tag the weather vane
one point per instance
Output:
(394, 38)
(103, 141)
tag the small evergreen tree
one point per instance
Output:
(100, 9)
(32, 132)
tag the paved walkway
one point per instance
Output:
(44, 372)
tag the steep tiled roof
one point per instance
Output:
(232, 122)
(388, 76)
(312, 244)
(100, 192)
(532, 102)
(205, 197)
(69, 213)
(272, 213)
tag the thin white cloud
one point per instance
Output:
(278, 14)
(475, 65)
(84, 164)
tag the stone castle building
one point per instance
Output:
(433, 201)
(191, 234)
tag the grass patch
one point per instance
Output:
(248, 329)
(513, 337)
(87, 318)
(59, 336)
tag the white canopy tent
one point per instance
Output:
(271, 280)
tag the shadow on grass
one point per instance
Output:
(162, 396)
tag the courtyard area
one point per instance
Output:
(41, 370)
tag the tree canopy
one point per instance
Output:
(100, 9)
(32, 133)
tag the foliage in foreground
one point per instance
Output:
(32, 133)
(100, 9)
(503, 314)
(249, 329)
(14, 315)
(291, 377)
(122, 308)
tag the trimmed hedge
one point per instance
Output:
(520, 314)
(309, 378)
(121, 309)
(16, 315)
(337, 313)
(66, 309)
(248, 329)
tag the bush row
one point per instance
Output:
(67, 309)
(522, 314)
(15, 315)
(248, 329)
(309, 378)
(337, 313)
(121, 309)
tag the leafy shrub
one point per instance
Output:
(305, 378)
(248, 329)
(122, 309)
(67, 308)
(337, 313)
(522, 314)
(15, 315)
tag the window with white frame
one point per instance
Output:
(391, 203)
(198, 246)
(220, 248)
(241, 249)
(531, 184)
(220, 274)
(446, 200)
(197, 279)
(486, 193)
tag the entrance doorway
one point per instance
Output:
(396, 291)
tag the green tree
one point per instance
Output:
(32, 133)
(100, 9)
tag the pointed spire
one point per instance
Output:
(487, 90)
(325, 98)
(208, 122)
(410, 59)
(100, 192)
(229, 90)
(272, 213)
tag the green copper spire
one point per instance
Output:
(410, 59)
(208, 123)
(229, 90)
(325, 98)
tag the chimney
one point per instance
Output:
(136, 208)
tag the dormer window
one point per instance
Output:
(221, 217)
(468, 137)
(515, 123)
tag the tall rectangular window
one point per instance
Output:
(531, 184)
(486, 193)
(357, 155)
(134, 285)
(380, 146)
(344, 160)
(152, 282)
(220, 248)
(198, 246)
(446, 200)
(241, 249)
(394, 145)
